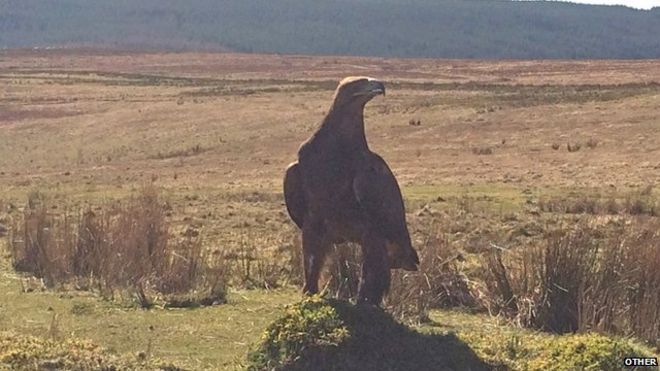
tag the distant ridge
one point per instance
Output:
(597, 3)
(491, 29)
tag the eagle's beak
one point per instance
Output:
(375, 87)
(372, 88)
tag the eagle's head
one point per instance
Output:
(356, 91)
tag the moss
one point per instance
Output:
(584, 351)
(20, 352)
(333, 335)
(518, 349)
(309, 327)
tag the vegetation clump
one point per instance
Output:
(324, 334)
(128, 247)
(526, 350)
(582, 279)
(309, 329)
(584, 352)
(21, 352)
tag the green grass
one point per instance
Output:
(494, 196)
(20, 352)
(510, 347)
(132, 128)
(219, 337)
(335, 335)
(203, 338)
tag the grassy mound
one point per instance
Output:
(539, 351)
(333, 335)
(19, 352)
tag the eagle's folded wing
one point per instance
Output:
(379, 196)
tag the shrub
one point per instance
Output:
(511, 349)
(584, 352)
(43, 246)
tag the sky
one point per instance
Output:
(640, 4)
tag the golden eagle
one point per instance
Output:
(340, 191)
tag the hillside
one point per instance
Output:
(402, 28)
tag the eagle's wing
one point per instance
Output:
(294, 195)
(379, 196)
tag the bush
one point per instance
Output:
(583, 352)
(265, 262)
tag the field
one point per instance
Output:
(214, 132)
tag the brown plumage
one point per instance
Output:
(339, 191)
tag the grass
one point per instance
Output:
(189, 338)
(124, 247)
(581, 278)
(334, 335)
(90, 130)
(20, 352)
(507, 347)
(218, 337)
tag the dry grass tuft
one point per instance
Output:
(482, 151)
(126, 248)
(342, 275)
(258, 262)
(583, 279)
(573, 147)
(185, 152)
(636, 203)
(592, 143)
(440, 282)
